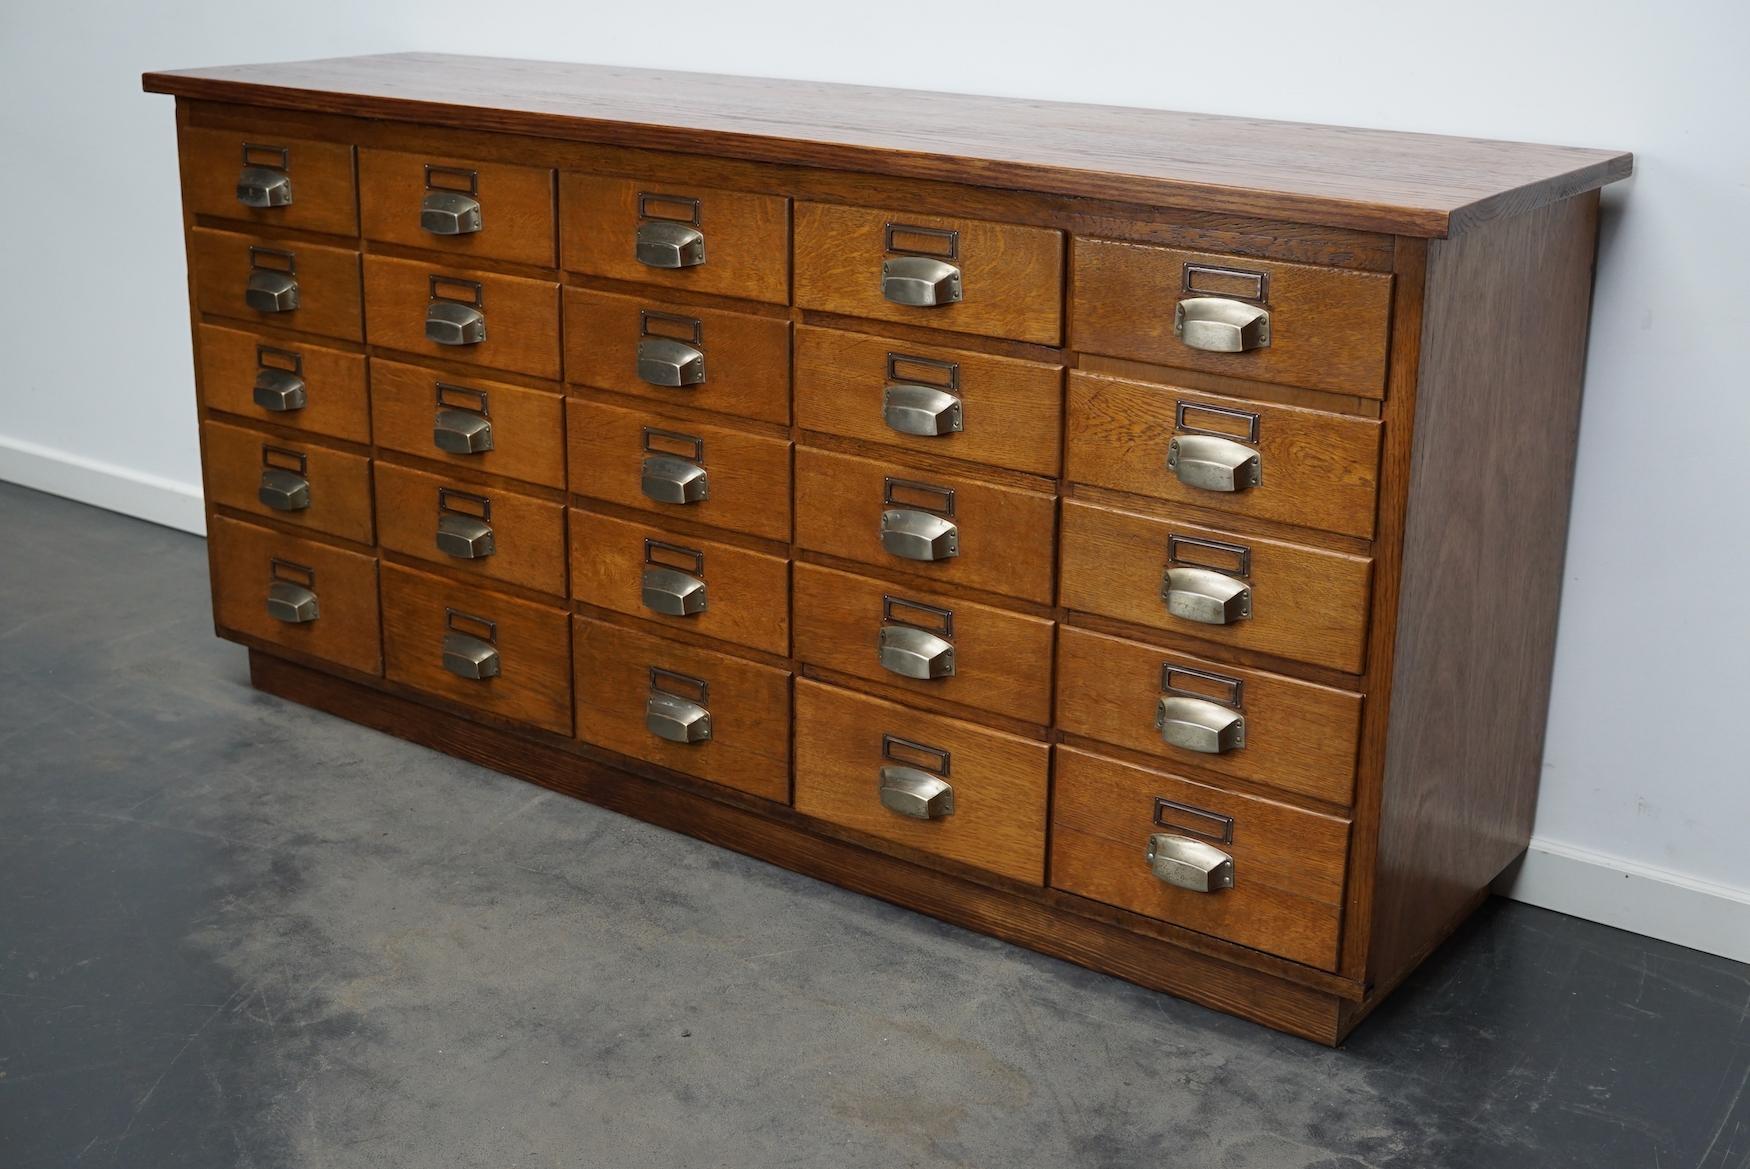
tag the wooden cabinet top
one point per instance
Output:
(1406, 184)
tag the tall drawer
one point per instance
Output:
(677, 235)
(1284, 599)
(508, 657)
(939, 785)
(494, 427)
(485, 531)
(1323, 328)
(287, 479)
(691, 710)
(1249, 458)
(965, 275)
(716, 475)
(948, 648)
(1189, 712)
(733, 363)
(1284, 866)
(269, 180)
(291, 285)
(981, 535)
(688, 582)
(312, 598)
(492, 209)
(954, 402)
(287, 382)
(482, 318)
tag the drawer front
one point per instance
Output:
(483, 531)
(490, 426)
(491, 209)
(1303, 603)
(506, 322)
(729, 718)
(311, 485)
(1326, 327)
(683, 581)
(285, 382)
(433, 628)
(280, 283)
(726, 242)
(616, 455)
(291, 182)
(997, 410)
(312, 598)
(860, 760)
(679, 355)
(997, 279)
(1001, 538)
(1287, 864)
(1189, 712)
(1248, 458)
(945, 647)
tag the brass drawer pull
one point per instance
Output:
(914, 783)
(279, 389)
(1209, 463)
(921, 410)
(673, 589)
(1196, 724)
(273, 281)
(261, 184)
(920, 281)
(666, 359)
(668, 240)
(291, 592)
(285, 480)
(452, 204)
(455, 320)
(668, 476)
(473, 656)
(464, 429)
(464, 527)
(669, 712)
(1196, 591)
(1216, 324)
(916, 640)
(920, 530)
(1189, 864)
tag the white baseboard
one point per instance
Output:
(105, 485)
(1632, 896)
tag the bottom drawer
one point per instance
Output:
(1280, 888)
(935, 784)
(298, 594)
(504, 656)
(689, 709)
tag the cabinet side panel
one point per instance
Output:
(1497, 411)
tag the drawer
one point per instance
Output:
(490, 652)
(1326, 327)
(998, 279)
(713, 474)
(292, 182)
(733, 363)
(309, 484)
(312, 598)
(1286, 864)
(487, 532)
(1304, 603)
(692, 710)
(706, 586)
(945, 647)
(730, 243)
(490, 426)
(1249, 458)
(486, 318)
(939, 785)
(492, 209)
(983, 535)
(286, 382)
(997, 410)
(1189, 712)
(287, 284)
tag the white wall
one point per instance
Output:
(1646, 771)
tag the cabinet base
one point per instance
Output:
(1026, 917)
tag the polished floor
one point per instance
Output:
(236, 933)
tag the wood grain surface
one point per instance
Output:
(345, 630)
(233, 458)
(522, 315)
(321, 173)
(528, 534)
(516, 205)
(1416, 184)
(329, 294)
(336, 402)
(528, 425)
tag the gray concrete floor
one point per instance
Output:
(234, 932)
